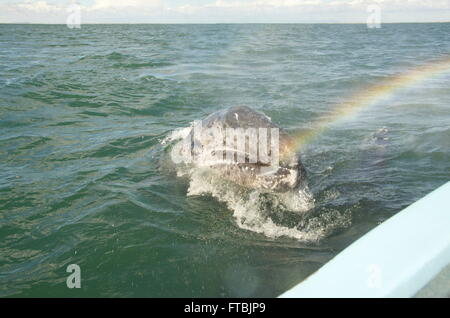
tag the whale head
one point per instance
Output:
(245, 147)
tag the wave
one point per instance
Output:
(114, 56)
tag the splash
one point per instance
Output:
(252, 208)
(179, 133)
(272, 214)
(371, 96)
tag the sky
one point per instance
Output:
(224, 11)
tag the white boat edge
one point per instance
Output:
(395, 259)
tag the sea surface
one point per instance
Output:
(86, 121)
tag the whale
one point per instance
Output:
(245, 147)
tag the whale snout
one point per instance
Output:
(283, 178)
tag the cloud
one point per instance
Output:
(324, 4)
(37, 6)
(350, 11)
(163, 11)
(115, 4)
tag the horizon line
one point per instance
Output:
(140, 23)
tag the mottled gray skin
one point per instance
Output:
(290, 174)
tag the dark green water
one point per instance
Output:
(84, 178)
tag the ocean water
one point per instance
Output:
(86, 118)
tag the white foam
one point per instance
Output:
(252, 208)
(177, 134)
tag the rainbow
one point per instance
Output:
(370, 96)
